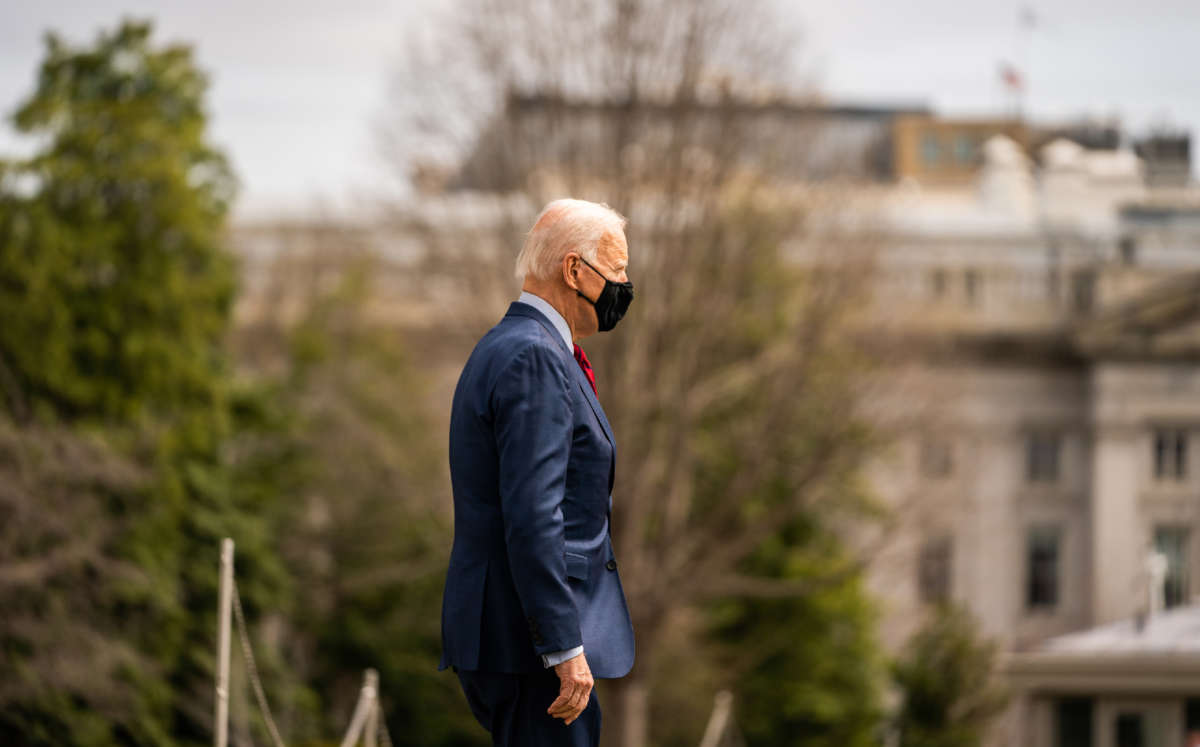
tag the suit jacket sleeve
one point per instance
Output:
(533, 420)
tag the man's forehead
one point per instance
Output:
(614, 247)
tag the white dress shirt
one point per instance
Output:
(552, 314)
(555, 657)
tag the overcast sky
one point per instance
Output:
(296, 83)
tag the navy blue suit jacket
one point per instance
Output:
(532, 459)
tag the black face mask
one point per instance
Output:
(612, 302)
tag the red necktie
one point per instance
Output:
(581, 359)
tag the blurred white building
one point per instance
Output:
(1132, 682)
(1055, 297)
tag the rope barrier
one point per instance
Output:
(252, 668)
(367, 712)
(366, 704)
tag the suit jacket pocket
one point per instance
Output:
(577, 565)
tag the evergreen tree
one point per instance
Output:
(116, 292)
(805, 669)
(946, 680)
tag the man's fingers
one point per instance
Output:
(565, 702)
(561, 704)
(576, 702)
(576, 697)
(576, 687)
(571, 701)
(585, 692)
(580, 705)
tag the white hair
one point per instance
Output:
(563, 226)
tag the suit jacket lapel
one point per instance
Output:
(586, 386)
(516, 308)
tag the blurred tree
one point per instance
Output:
(946, 677)
(116, 286)
(736, 385)
(67, 661)
(115, 291)
(806, 668)
(365, 532)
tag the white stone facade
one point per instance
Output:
(1069, 396)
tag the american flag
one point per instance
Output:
(1011, 77)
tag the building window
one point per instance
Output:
(971, 284)
(1074, 722)
(1172, 541)
(1191, 720)
(931, 149)
(937, 457)
(1130, 730)
(934, 568)
(1170, 453)
(1042, 456)
(964, 149)
(1043, 549)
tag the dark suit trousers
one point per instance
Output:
(513, 708)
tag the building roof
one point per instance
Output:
(1161, 657)
(1174, 631)
(535, 136)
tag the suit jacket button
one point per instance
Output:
(611, 565)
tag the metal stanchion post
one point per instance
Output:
(362, 709)
(224, 613)
(372, 730)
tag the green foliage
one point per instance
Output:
(72, 674)
(946, 680)
(129, 447)
(115, 292)
(805, 669)
(365, 536)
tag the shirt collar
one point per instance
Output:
(550, 313)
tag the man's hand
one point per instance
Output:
(576, 688)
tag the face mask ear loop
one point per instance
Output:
(609, 295)
(606, 280)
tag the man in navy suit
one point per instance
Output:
(533, 607)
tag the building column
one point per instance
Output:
(990, 550)
(1117, 544)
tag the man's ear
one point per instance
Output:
(570, 270)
